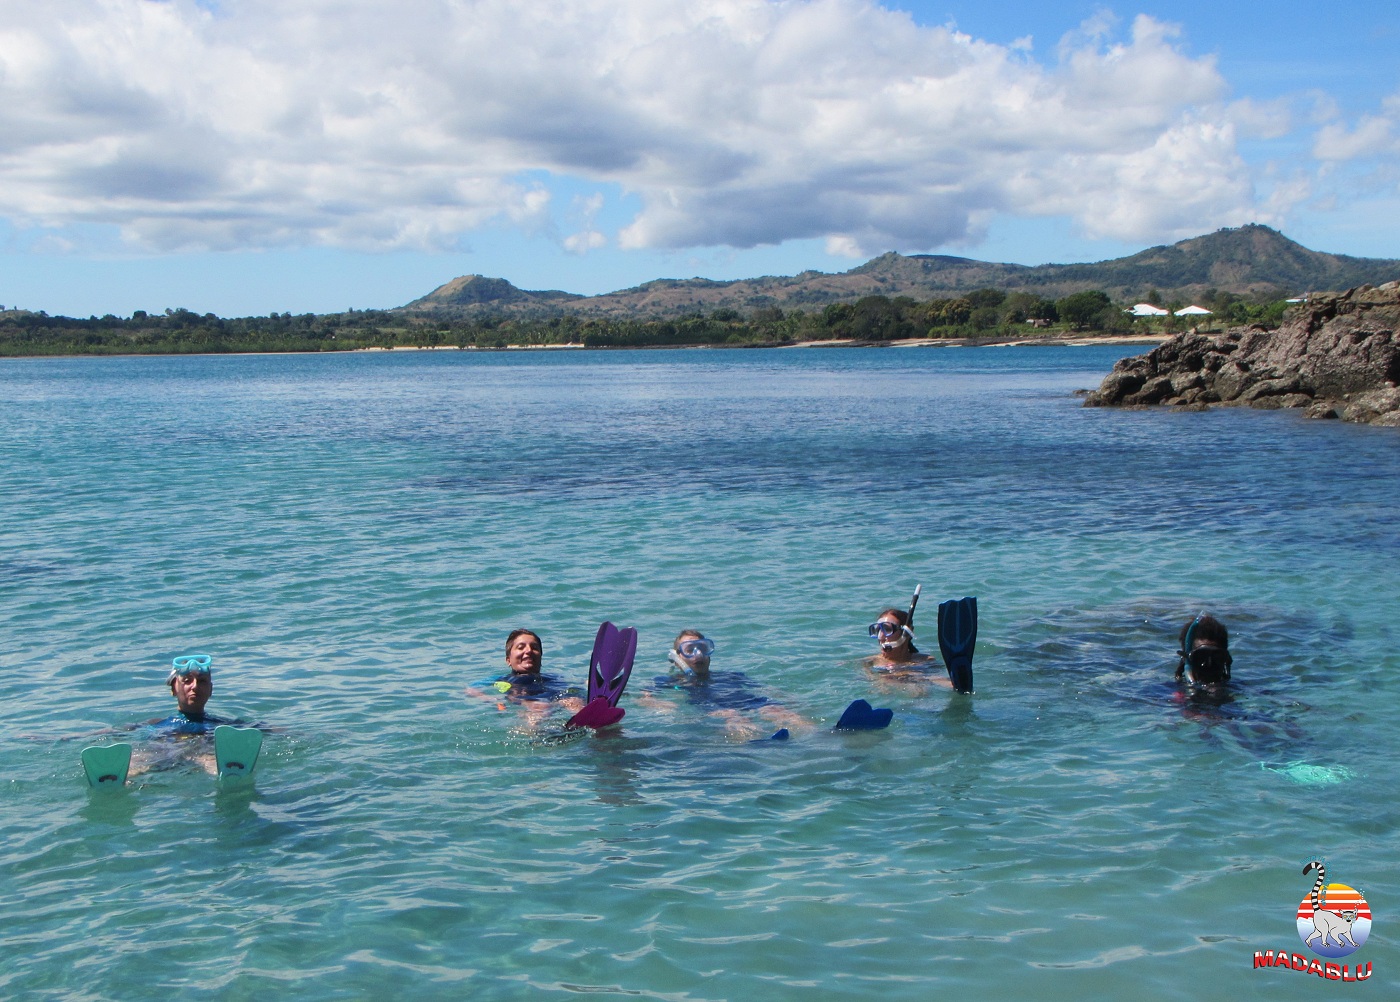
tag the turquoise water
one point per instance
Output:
(353, 536)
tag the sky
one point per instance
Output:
(244, 157)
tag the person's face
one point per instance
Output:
(192, 691)
(692, 654)
(899, 640)
(523, 657)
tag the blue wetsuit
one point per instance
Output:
(179, 725)
(731, 690)
(529, 688)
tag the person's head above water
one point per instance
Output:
(691, 651)
(892, 630)
(191, 682)
(524, 652)
(1205, 652)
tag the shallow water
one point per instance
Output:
(352, 536)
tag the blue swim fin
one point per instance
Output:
(781, 734)
(957, 636)
(611, 664)
(107, 767)
(236, 750)
(860, 716)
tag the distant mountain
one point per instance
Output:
(1246, 260)
(478, 291)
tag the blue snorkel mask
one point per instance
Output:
(690, 652)
(191, 664)
(197, 664)
(889, 634)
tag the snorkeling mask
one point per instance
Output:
(198, 664)
(889, 633)
(1210, 663)
(693, 648)
(688, 652)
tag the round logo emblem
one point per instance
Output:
(1337, 924)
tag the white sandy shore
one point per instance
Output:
(1070, 342)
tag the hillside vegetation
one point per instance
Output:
(1253, 262)
(1241, 275)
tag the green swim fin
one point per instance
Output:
(236, 749)
(107, 767)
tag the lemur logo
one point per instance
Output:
(1334, 919)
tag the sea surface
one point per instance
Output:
(352, 536)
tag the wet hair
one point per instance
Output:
(902, 618)
(683, 635)
(521, 633)
(1209, 629)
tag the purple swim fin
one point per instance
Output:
(611, 664)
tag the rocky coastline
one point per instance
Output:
(1335, 356)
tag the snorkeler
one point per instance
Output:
(524, 683)
(191, 682)
(900, 661)
(1204, 653)
(728, 697)
(190, 736)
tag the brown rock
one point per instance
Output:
(1339, 354)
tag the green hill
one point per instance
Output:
(1249, 260)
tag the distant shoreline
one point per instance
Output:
(992, 342)
(1041, 341)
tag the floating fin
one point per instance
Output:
(611, 664)
(860, 716)
(957, 636)
(236, 750)
(596, 714)
(1306, 774)
(107, 767)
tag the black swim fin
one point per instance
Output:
(957, 636)
(861, 716)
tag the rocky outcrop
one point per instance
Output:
(1336, 356)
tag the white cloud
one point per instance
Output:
(734, 122)
(1374, 135)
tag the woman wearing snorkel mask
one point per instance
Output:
(729, 696)
(898, 659)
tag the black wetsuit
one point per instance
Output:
(729, 691)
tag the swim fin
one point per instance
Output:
(860, 716)
(611, 664)
(236, 750)
(957, 636)
(107, 767)
(781, 734)
(596, 714)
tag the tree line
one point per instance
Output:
(984, 313)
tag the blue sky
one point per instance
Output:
(251, 156)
